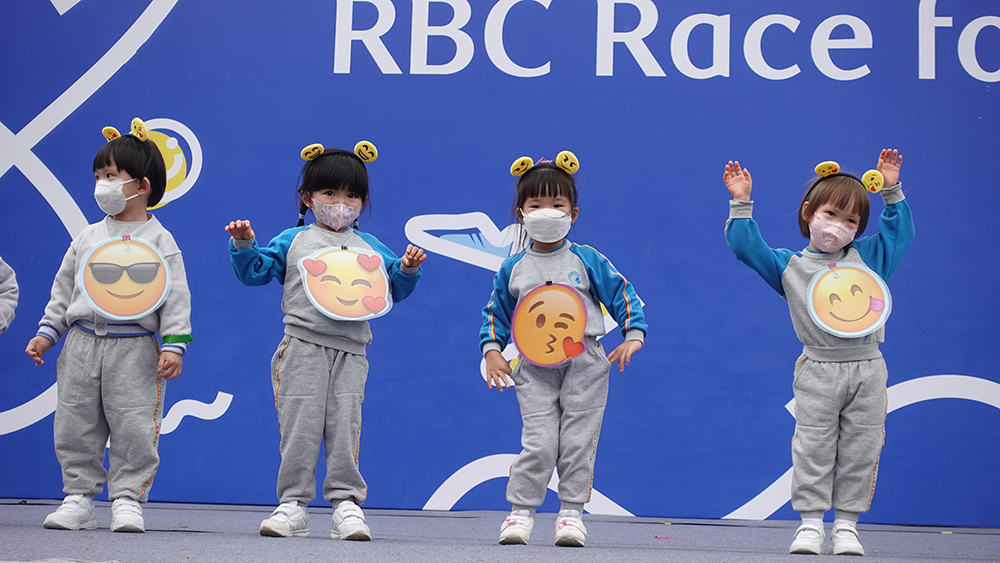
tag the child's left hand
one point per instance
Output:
(623, 353)
(413, 257)
(889, 163)
(170, 364)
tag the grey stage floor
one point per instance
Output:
(199, 533)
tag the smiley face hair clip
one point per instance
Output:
(138, 130)
(365, 150)
(871, 180)
(565, 161)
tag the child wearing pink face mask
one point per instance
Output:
(335, 279)
(839, 303)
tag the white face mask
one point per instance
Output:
(110, 195)
(829, 235)
(335, 215)
(547, 225)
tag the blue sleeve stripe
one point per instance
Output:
(614, 271)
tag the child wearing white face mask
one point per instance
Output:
(839, 303)
(121, 282)
(335, 279)
(548, 298)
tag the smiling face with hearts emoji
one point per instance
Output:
(346, 284)
(548, 325)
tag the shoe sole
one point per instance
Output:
(569, 542)
(803, 551)
(129, 529)
(359, 535)
(849, 551)
(513, 541)
(272, 533)
(92, 525)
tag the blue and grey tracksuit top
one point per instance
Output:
(578, 266)
(790, 272)
(254, 265)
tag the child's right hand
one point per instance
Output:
(240, 230)
(497, 370)
(738, 181)
(37, 347)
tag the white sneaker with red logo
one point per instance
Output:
(570, 531)
(516, 528)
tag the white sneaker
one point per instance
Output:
(570, 531)
(846, 541)
(808, 539)
(516, 528)
(126, 516)
(289, 519)
(75, 513)
(349, 523)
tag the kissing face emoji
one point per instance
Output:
(548, 325)
(849, 300)
(124, 278)
(346, 284)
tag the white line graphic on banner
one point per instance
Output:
(16, 151)
(900, 395)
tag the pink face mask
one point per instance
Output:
(335, 215)
(829, 235)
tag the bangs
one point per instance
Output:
(336, 169)
(546, 181)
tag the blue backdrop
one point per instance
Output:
(654, 97)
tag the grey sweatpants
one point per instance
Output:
(108, 386)
(839, 432)
(318, 392)
(561, 412)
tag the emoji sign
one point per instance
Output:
(548, 325)
(346, 284)
(848, 300)
(124, 278)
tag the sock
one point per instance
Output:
(571, 507)
(846, 519)
(530, 510)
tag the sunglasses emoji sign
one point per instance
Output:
(124, 278)
(548, 325)
(346, 284)
(848, 300)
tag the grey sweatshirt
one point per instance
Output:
(8, 295)
(70, 306)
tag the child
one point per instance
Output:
(548, 297)
(8, 295)
(838, 307)
(121, 282)
(336, 278)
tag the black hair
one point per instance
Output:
(140, 159)
(544, 180)
(843, 191)
(334, 169)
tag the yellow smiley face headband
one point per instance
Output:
(871, 180)
(139, 131)
(565, 161)
(365, 150)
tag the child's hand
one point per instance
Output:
(413, 257)
(497, 371)
(889, 163)
(170, 364)
(37, 347)
(623, 353)
(240, 230)
(738, 181)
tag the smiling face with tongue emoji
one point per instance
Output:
(849, 300)
(548, 325)
(346, 284)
